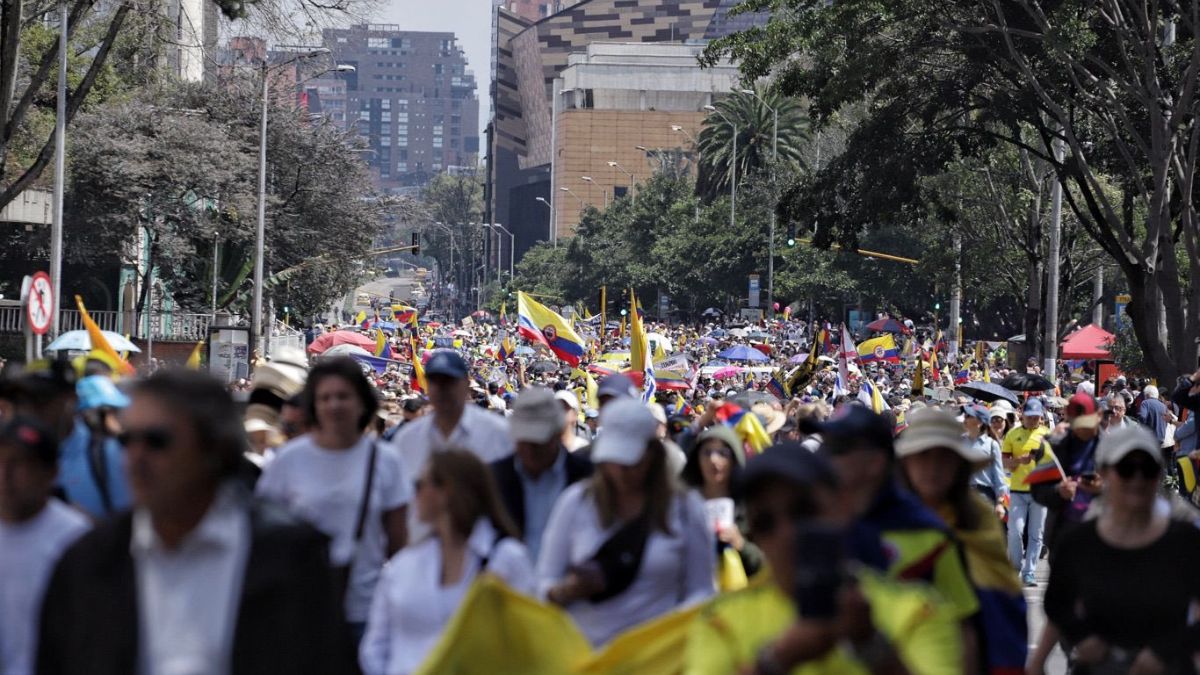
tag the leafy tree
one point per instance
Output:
(178, 171)
(755, 123)
(1103, 94)
(453, 211)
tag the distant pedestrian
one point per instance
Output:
(34, 531)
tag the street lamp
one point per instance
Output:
(603, 190)
(774, 162)
(553, 225)
(618, 167)
(680, 130)
(260, 229)
(512, 245)
(582, 204)
(732, 166)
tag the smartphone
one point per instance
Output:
(820, 570)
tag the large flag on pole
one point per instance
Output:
(100, 343)
(418, 374)
(639, 350)
(538, 323)
(881, 349)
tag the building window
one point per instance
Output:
(378, 43)
(385, 141)
(385, 104)
(437, 167)
(620, 191)
(401, 167)
(437, 141)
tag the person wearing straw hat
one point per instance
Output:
(937, 464)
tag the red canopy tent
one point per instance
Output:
(1090, 342)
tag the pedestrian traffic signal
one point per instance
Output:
(416, 243)
(791, 234)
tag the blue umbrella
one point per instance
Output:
(743, 353)
(78, 341)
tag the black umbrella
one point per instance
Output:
(540, 367)
(989, 392)
(749, 397)
(1026, 382)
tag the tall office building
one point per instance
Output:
(411, 99)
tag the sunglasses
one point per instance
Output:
(1130, 466)
(155, 439)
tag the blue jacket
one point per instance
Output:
(79, 481)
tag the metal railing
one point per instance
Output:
(165, 326)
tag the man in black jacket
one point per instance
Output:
(1187, 392)
(198, 577)
(532, 478)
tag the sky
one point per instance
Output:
(470, 20)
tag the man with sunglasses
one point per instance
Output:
(200, 577)
(816, 607)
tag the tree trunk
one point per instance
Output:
(1033, 313)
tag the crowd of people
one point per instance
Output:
(813, 510)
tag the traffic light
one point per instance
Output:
(791, 234)
(416, 243)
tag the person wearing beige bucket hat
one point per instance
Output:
(937, 463)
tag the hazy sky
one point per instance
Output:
(470, 20)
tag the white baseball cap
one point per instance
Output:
(1118, 443)
(568, 397)
(626, 427)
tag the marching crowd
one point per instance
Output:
(334, 517)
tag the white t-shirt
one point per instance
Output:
(483, 433)
(28, 553)
(324, 487)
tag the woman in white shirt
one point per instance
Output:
(345, 483)
(630, 544)
(423, 585)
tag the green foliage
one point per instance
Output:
(177, 170)
(1126, 351)
(755, 125)
(453, 210)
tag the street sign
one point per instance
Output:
(39, 304)
(1119, 307)
(754, 291)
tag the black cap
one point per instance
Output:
(854, 426)
(789, 461)
(32, 436)
(446, 362)
(414, 404)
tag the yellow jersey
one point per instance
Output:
(1020, 442)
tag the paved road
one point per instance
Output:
(1057, 664)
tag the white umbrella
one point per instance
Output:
(80, 341)
(346, 350)
(659, 338)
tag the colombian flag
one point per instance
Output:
(745, 424)
(881, 349)
(418, 373)
(405, 315)
(506, 350)
(538, 323)
(1047, 470)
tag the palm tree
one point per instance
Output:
(755, 126)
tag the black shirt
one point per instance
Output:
(1130, 598)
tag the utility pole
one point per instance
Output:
(956, 299)
(60, 152)
(1050, 354)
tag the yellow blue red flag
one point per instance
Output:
(879, 350)
(538, 323)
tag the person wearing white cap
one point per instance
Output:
(629, 544)
(1122, 585)
(570, 410)
(937, 464)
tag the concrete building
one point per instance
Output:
(620, 106)
(411, 99)
(194, 41)
(534, 10)
(528, 97)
